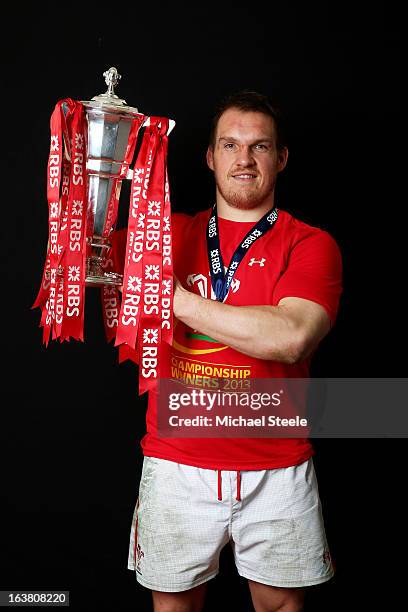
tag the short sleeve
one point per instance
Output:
(313, 272)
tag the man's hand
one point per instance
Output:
(178, 296)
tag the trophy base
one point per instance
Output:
(96, 279)
(106, 278)
(97, 276)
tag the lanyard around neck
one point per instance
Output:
(221, 282)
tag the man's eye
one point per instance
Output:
(229, 145)
(261, 147)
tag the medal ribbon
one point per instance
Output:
(221, 282)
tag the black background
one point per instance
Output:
(71, 418)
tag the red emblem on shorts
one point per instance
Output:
(140, 555)
(326, 557)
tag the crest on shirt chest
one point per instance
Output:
(202, 285)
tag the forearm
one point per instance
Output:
(264, 332)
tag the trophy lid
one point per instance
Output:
(109, 101)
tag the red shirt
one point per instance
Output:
(293, 259)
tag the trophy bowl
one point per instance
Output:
(109, 121)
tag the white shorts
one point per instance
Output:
(185, 515)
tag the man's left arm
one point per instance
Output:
(306, 299)
(288, 332)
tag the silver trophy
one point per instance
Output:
(109, 122)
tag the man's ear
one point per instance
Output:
(210, 158)
(282, 158)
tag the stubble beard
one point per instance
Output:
(242, 199)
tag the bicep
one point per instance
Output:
(313, 273)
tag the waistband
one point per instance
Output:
(238, 495)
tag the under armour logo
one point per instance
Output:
(261, 262)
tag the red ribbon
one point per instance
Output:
(146, 313)
(132, 274)
(109, 293)
(74, 249)
(144, 318)
(150, 335)
(62, 292)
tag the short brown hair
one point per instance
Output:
(250, 101)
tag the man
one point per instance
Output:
(258, 494)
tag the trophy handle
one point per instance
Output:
(172, 123)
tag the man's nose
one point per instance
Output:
(245, 156)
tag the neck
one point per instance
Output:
(226, 211)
